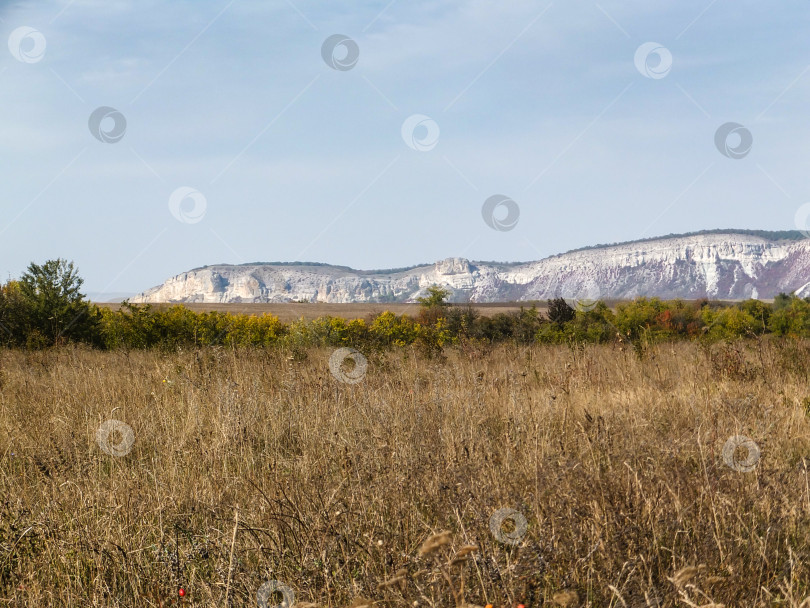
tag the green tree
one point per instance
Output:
(434, 306)
(436, 297)
(559, 311)
(12, 317)
(53, 308)
(782, 301)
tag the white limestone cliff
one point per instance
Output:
(725, 266)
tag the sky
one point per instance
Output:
(144, 138)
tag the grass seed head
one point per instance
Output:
(466, 550)
(434, 543)
(566, 599)
(399, 579)
(683, 576)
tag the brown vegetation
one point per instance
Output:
(253, 465)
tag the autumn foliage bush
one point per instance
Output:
(643, 321)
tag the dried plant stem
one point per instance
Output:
(233, 545)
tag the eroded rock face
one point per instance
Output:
(724, 266)
(452, 266)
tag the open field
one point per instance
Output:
(293, 311)
(254, 465)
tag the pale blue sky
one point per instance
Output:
(538, 101)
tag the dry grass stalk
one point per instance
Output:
(398, 580)
(233, 546)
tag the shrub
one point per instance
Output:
(790, 316)
(430, 339)
(527, 322)
(389, 329)
(559, 311)
(460, 321)
(497, 328)
(591, 326)
(249, 330)
(731, 322)
(642, 319)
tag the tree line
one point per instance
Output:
(45, 308)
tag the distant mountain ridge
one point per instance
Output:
(771, 235)
(722, 264)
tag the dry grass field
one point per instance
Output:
(537, 475)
